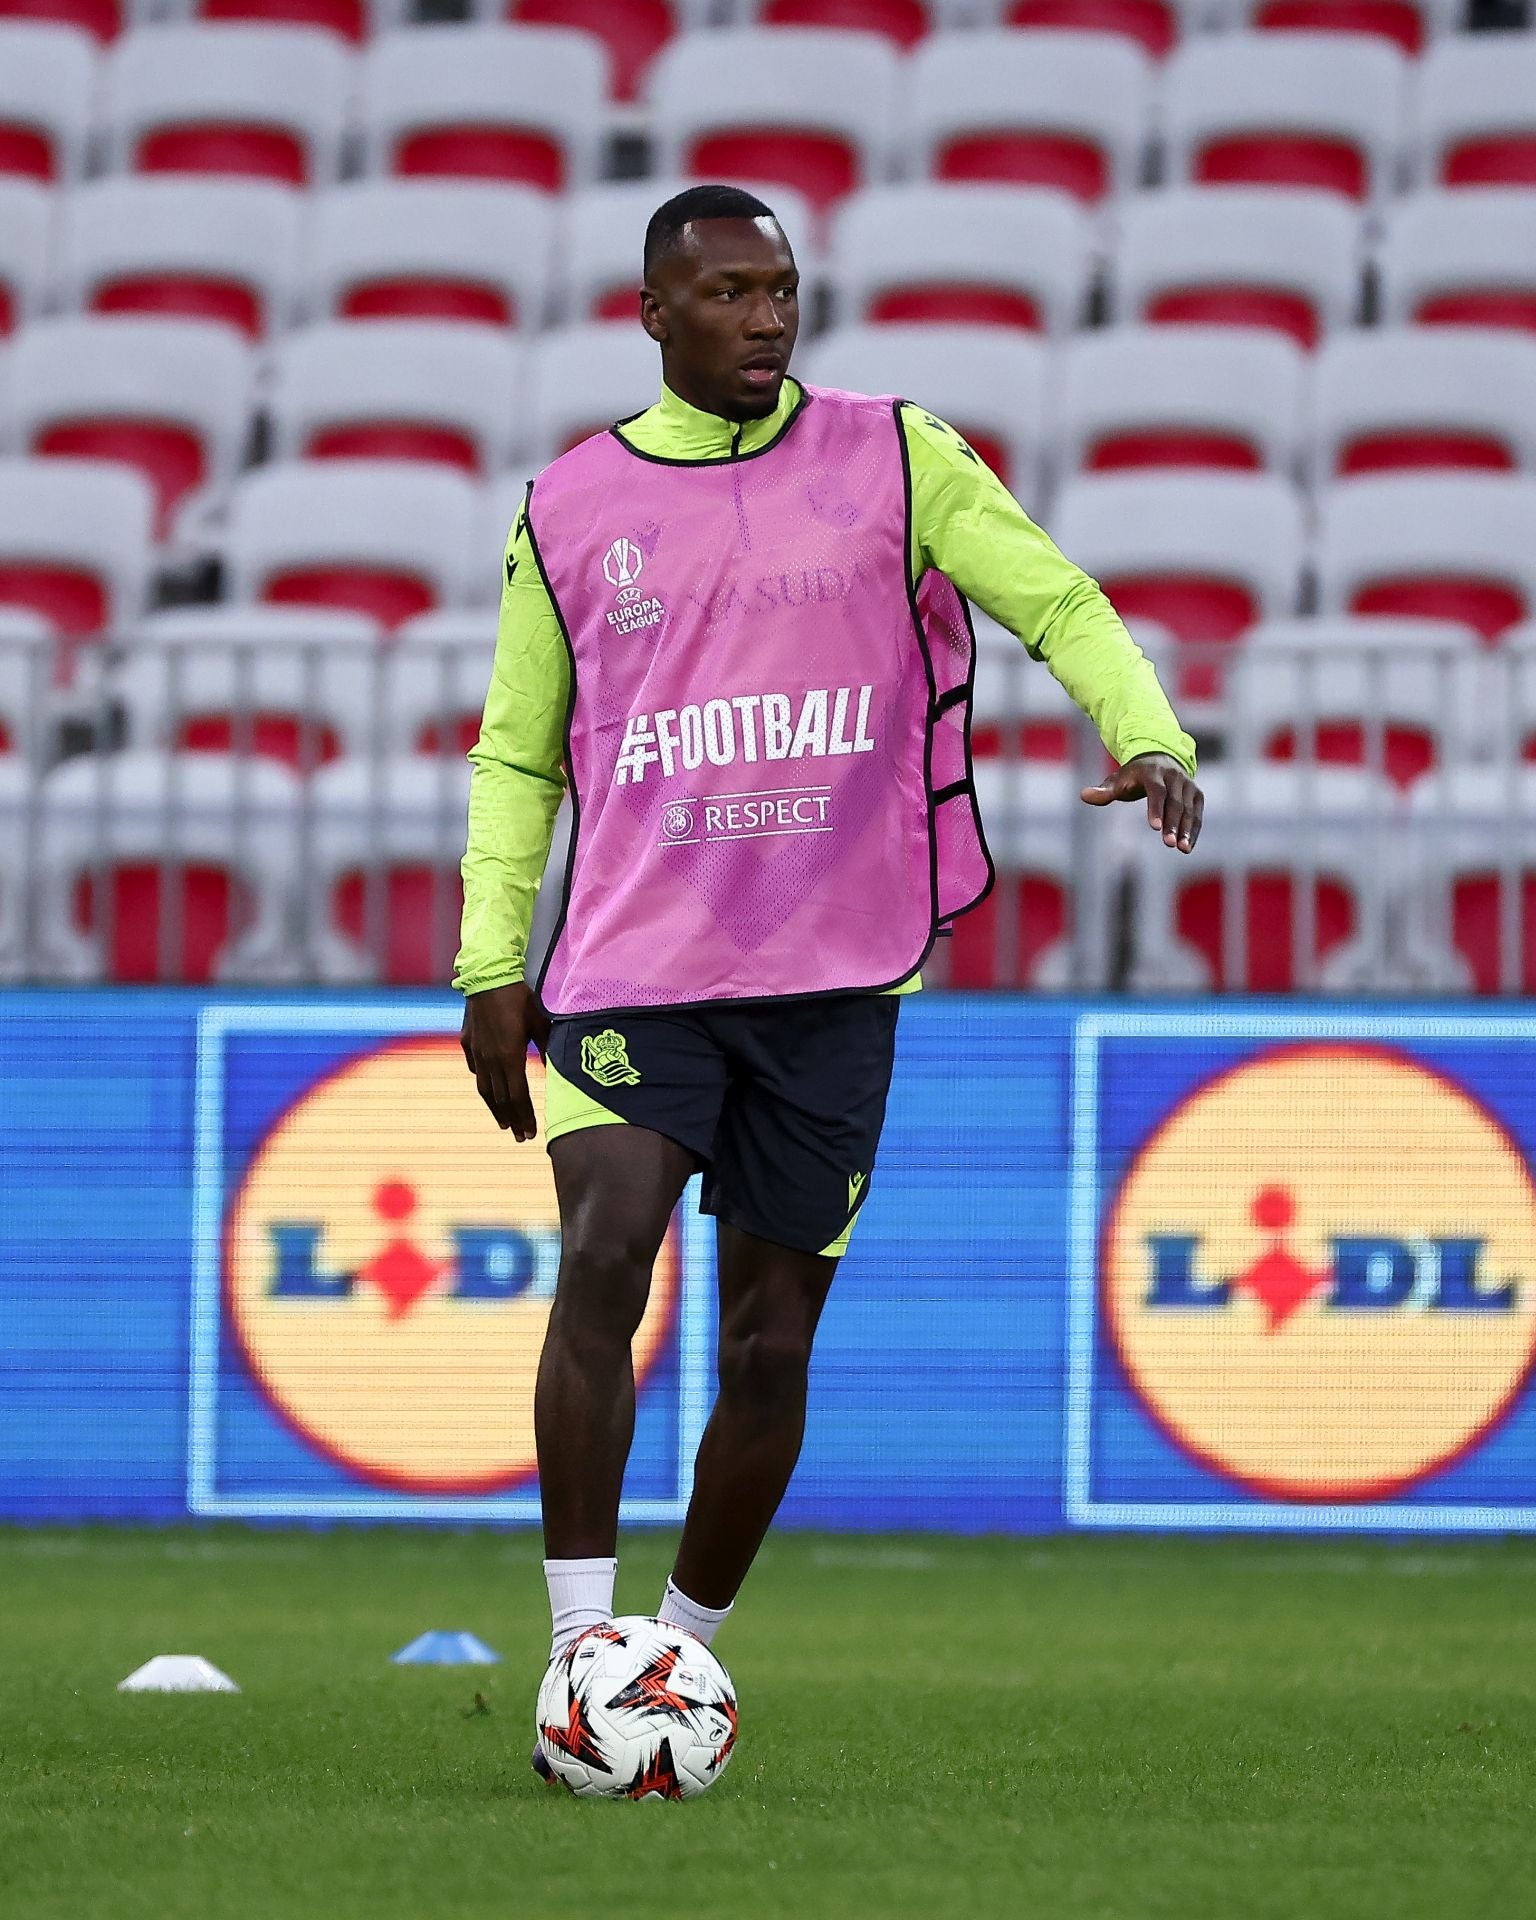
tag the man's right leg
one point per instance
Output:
(617, 1187)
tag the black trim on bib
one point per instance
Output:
(570, 764)
(723, 460)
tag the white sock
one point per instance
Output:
(580, 1596)
(677, 1610)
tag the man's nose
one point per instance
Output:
(764, 321)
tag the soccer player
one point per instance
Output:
(731, 626)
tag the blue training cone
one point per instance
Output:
(446, 1650)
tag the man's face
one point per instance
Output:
(724, 305)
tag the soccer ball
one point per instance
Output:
(635, 1710)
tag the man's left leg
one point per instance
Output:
(771, 1299)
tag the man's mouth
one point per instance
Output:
(762, 371)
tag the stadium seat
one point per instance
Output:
(172, 398)
(380, 537)
(75, 543)
(26, 680)
(168, 867)
(224, 250)
(817, 113)
(302, 703)
(1180, 397)
(1476, 119)
(1239, 256)
(48, 80)
(1285, 110)
(397, 390)
(971, 255)
(434, 687)
(384, 887)
(265, 102)
(26, 218)
(1462, 257)
(1400, 697)
(1051, 109)
(988, 383)
(1406, 23)
(583, 379)
(1203, 554)
(351, 20)
(1152, 24)
(1022, 934)
(633, 31)
(1019, 710)
(602, 241)
(1471, 918)
(524, 104)
(1423, 397)
(1451, 547)
(430, 250)
(1290, 886)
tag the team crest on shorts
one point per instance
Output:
(605, 1059)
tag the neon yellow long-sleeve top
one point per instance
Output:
(964, 522)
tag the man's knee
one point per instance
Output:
(765, 1366)
(603, 1287)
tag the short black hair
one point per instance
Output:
(711, 202)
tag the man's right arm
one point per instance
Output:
(517, 776)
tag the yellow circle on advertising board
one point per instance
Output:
(389, 1265)
(1319, 1274)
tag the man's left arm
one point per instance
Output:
(967, 524)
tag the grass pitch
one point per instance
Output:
(1064, 1729)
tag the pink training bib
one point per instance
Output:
(768, 743)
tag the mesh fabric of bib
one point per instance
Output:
(768, 740)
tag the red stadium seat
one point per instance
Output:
(1461, 257)
(1021, 934)
(1396, 20)
(1476, 120)
(633, 31)
(74, 542)
(48, 82)
(1151, 23)
(102, 19)
(348, 19)
(417, 906)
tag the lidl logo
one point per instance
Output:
(1319, 1274)
(389, 1266)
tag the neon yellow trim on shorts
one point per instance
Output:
(569, 1108)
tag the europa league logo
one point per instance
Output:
(622, 563)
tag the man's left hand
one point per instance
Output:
(1175, 804)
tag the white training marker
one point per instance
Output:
(177, 1673)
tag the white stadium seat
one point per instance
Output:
(988, 383)
(633, 31)
(302, 704)
(1469, 919)
(525, 104)
(26, 222)
(434, 694)
(602, 244)
(381, 537)
(1408, 24)
(261, 101)
(384, 894)
(1454, 546)
(1204, 554)
(1065, 110)
(1476, 119)
(1417, 397)
(1400, 697)
(1188, 396)
(1019, 709)
(49, 77)
(26, 680)
(1286, 109)
(813, 108)
(196, 249)
(585, 378)
(173, 399)
(198, 853)
(939, 253)
(75, 542)
(1464, 257)
(1239, 256)
(397, 390)
(1291, 884)
(460, 250)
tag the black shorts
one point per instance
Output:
(782, 1102)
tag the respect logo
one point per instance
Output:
(1319, 1274)
(389, 1269)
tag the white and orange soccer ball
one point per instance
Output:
(635, 1710)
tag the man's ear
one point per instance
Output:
(653, 316)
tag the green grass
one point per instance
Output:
(1245, 1730)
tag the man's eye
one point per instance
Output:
(726, 293)
(789, 293)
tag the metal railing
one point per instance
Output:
(292, 810)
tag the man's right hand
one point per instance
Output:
(498, 1025)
